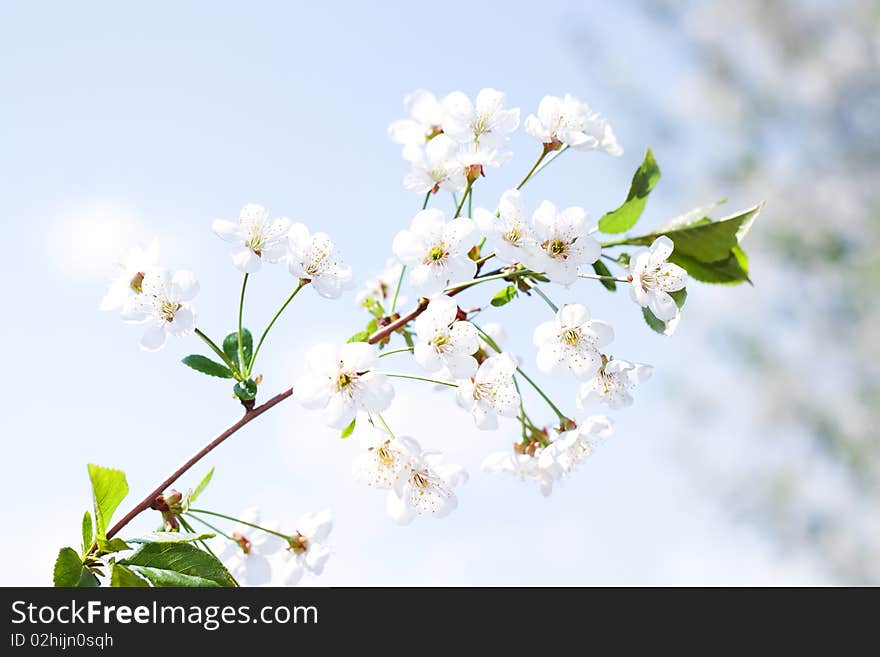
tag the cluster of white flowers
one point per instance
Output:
(257, 557)
(448, 144)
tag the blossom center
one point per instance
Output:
(556, 248)
(571, 336)
(441, 341)
(137, 283)
(345, 380)
(436, 254)
(514, 234)
(167, 309)
(299, 544)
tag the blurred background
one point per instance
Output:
(751, 457)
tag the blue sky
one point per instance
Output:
(121, 123)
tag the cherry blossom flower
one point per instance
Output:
(653, 278)
(572, 341)
(306, 552)
(163, 306)
(508, 229)
(313, 257)
(423, 486)
(381, 288)
(491, 391)
(425, 123)
(435, 167)
(612, 384)
(522, 465)
(383, 458)
(443, 341)
(485, 122)
(129, 274)
(436, 250)
(339, 380)
(248, 555)
(256, 236)
(569, 448)
(564, 242)
(571, 122)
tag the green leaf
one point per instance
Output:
(230, 347)
(178, 564)
(505, 296)
(360, 336)
(600, 269)
(408, 339)
(70, 572)
(348, 430)
(88, 533)
(120, 576)
(170, 537)
(626, 216)
(727, 271)
(245, 390)
(109, 488)
(203, 484)
(657, 325)
(207, 366)
(113, 545)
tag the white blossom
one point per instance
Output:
(313, 257)
(423, 486)
(163, 306)
(382, 459)
(612, 384)
(475, 161)
(129, 274)
(435, 167)
(485, 122)
(248, 556)
(507, 227)
(436, 251)
(381, 288)
(571, 122)
(572, 341)
(256, 236)
(491, 391)
(338, 379)
(569, 448)
(653, 278)
(426, 119)
(306, 552)
(445, 342)
(521, 465)
(564, 242)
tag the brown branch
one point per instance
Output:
(144, 504)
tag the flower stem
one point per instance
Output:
(599, 277)
(395, 351)
(422, 378)
(241, 522)
(556, 410)
(385, 425)
(467, 192)
(540, 292)
(534, 168)
(210, 526)
(241, 364)
(302, 283)
(217, 350)
(490, 277)
(397, 289)
(427, 198)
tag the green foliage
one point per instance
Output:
(505, 296)
(600, 269)
(245, 390)
(70, 572)
(120, 576)
(113, 545)
(710, 250)
(203, 484)
(88, 532)
(360, 336)
(207, 366)
(109, 488)
(626, 216)
(348, 430)
(178, 564)
(230, 348)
